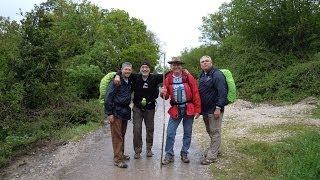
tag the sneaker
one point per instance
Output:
(184, 158)
(126, 157)
(207, 161)
(149, 153)
(167, 160)
(137, 156)
(121, 164)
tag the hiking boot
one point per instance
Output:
(167, 160)
(121, 164)
(219, 154)
(206, 161)
(126, 157)
(149, 153)
(105, 122)
(184, 158)
(137, 156)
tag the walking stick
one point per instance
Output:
(164, 110)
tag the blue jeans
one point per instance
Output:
(172, 129)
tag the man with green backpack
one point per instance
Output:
(216, 91)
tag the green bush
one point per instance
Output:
(291, 84)
(11, 98)
(261, 75)
(5, 151)
(73, 114)
(28, 128)
(84, 79)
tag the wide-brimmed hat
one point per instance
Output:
(175, 60)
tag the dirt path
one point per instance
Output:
(245, 116)
(91, 157)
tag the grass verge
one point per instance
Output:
(52, 125)
(294, 156)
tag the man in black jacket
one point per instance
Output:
(146, 91)
(213, 93)
(116, 107)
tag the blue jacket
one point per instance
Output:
(213, 90)
(117, 100)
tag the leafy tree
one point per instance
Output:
(127, 39)
(215, 27)
(9, 39)
(266, 44)
(38, 65)
(281, 25)
(54, 59)
(10, 89)
(76, 27)
(192, 58)
(103, 38)
(285, 26)
(63, 34)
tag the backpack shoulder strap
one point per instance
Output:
(185, 79)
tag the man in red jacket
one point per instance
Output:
(183, 91)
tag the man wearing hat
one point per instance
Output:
(182, 89)
(146, 91)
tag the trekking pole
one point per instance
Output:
(164, 110)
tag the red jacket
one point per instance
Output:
(192, 94)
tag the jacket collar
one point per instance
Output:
(211, 70)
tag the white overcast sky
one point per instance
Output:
(175, 22)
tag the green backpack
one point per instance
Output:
(232, 90)
(104, 83)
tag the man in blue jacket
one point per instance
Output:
(213, 93)
(116, 107)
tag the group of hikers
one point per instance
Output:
(188, 99)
